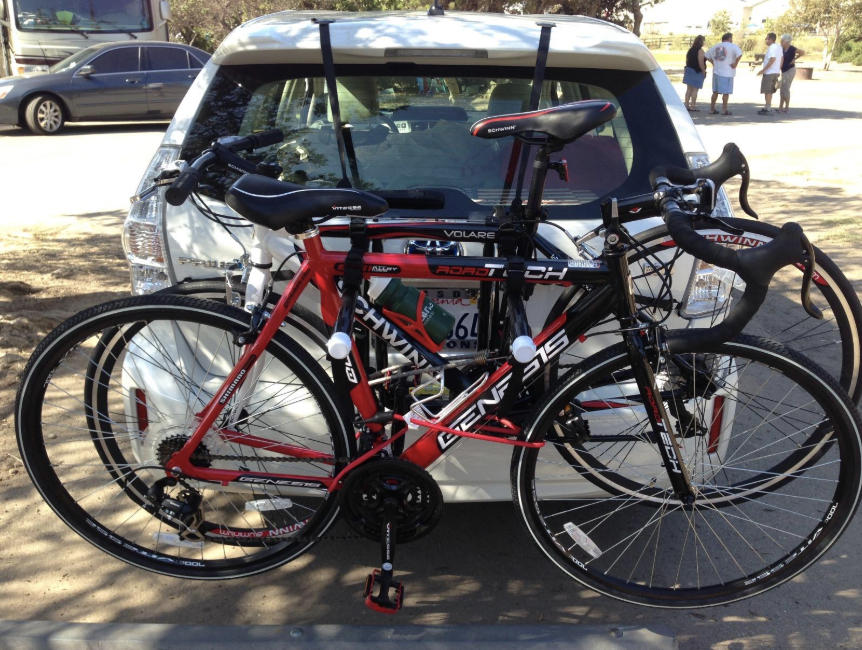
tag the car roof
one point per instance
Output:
(98, 47)
(414, 36)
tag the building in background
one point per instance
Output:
(691, 17)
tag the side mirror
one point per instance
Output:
(165, 9)
(86, 71)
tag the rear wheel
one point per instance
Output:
(773, 448)
(112, 393)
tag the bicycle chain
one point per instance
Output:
(286, 459)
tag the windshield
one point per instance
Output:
(73, 61)
(83, 15)
(412, 131)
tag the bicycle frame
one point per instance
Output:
(475, 416)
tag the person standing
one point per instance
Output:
(724, 58)
(772, 62)
(694, 73)
(788, 71)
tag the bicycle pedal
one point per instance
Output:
(382, 603)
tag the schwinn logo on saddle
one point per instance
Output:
(502, 128)
(489, 400)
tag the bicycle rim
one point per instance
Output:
(775, 488)
(111, 393)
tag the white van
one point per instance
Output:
(410, 85)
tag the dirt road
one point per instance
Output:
(60, 233)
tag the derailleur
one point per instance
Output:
(183, 511)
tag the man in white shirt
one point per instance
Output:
(770, 71)
(724, 58)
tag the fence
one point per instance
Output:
(675, 42)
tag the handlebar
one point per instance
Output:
(223, 150)
(731, 163)
(755, 266)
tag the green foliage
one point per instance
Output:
(850, 52)
(834, 20)
(719, 24)
(205, 23)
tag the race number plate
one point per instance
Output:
(463, 305)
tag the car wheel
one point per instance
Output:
(45, 115)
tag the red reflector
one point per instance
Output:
(715, 427)
(141, 409)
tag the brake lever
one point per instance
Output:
(807, 278)
(745, 175)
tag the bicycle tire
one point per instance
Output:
(539, 497)
(833, 287)
(99, 336)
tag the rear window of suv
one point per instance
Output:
(410, 128)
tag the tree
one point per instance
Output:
(719, 24)
(636, 8)
(833, 20)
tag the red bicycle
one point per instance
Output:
(676, 468)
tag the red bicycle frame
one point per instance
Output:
(473, 418)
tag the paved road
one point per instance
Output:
(479, 566)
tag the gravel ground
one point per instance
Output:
(60, 251)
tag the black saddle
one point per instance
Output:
(563, 123)
(277, 204)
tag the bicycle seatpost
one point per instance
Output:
(541, 164)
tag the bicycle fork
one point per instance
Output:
(634, 335)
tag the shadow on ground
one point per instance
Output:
(746, 112)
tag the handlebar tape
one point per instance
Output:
(755, 266)
(185, 184)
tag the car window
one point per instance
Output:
(167, 58)
(194, 64)
(411, 131)
(124, 59)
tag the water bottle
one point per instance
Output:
(432, 320)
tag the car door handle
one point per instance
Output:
(155, 86)
(132, 81)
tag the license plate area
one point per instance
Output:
(463, 304)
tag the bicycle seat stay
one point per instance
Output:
(563, 123)
(277, 204)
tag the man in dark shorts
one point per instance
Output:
(771, 69)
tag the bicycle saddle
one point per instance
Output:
(276, 204)
(563, 123)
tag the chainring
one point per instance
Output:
(420, 501)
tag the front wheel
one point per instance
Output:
(113, 392)
(772, 445)
(44, 115)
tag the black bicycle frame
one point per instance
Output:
(609, 293)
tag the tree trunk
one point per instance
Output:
(638, 17)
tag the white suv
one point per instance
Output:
(410, 85)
